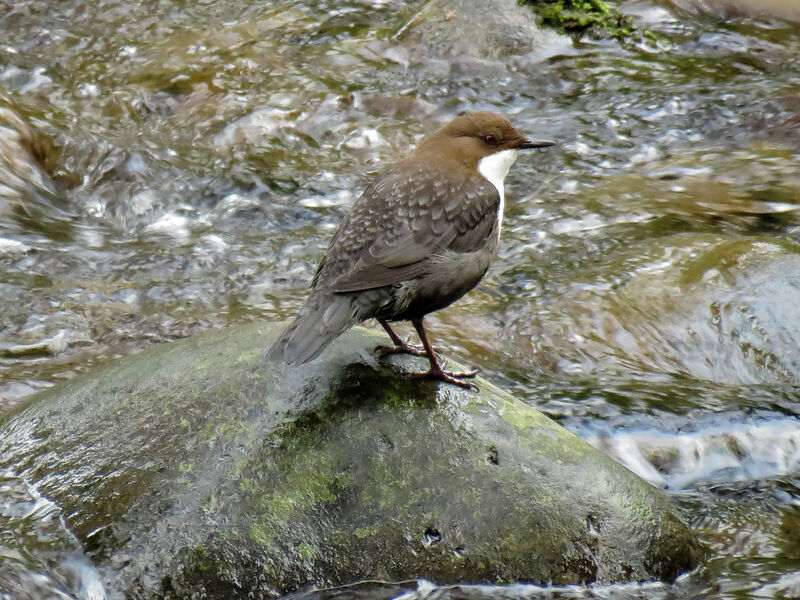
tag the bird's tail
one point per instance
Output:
(322, 319)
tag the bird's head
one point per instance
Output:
(480, 141)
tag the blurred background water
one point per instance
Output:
(168, 167)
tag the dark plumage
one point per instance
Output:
(420, 236)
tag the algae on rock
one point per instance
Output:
(196, 468)
(595, 18)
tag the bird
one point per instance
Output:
(421, 235)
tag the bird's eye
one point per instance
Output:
(490, 139)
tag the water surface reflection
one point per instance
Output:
(171, 167)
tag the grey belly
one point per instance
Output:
(450, 276)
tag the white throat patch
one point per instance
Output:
(495, 167)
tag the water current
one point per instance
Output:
(168, 167)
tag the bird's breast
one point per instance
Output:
(449, 276)
(494, 168)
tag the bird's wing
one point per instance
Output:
(412, 215)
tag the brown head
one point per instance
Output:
(474, 136)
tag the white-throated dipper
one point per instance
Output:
(420, 236)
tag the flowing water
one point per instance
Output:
(167, 167)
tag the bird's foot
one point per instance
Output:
(404, 347)
(454, 377)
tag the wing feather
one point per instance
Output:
(408, 215)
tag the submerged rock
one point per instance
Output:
(737, 9)
(23, 158)
(195, 469)
(447, 29)
(711, 307)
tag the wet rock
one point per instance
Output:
(395, 107)
(692, 304)
(23, 156)
(196, 469)
(735, 9)
(450, 29)
(45, 335)
(264, 122)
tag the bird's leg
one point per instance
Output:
(400, 346)
(436, 371)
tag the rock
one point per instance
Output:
(737, 9)
(195, 469)
(447, 28)
(23, 160)
(707, 306)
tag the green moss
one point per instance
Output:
(211, 505)
(306, 551)
(310, 481)
(201, 559)
(249, 355)
(529, 422)
(362, 532)
(283, 503)
(519, 416)
(261, 533)
(248, 485)
(209, 431)
(589, 17)
(380, 457)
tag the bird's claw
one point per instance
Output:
(454, 377)
(384, 351)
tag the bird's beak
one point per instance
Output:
(526, 143)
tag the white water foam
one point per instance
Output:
(721, 450)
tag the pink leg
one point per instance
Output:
(400, 346)
(436, 371)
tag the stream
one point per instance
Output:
(170, 167)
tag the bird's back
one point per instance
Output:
(391, 247)
(413, 211)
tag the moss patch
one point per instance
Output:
(594, 18)
(337, 471)
(261, 533)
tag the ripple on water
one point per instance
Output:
(42, 559)
(198, 157)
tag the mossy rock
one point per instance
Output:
(196, 469)
(446, 29)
